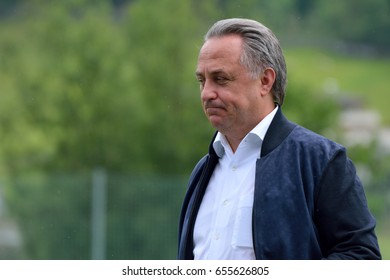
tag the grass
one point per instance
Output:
(366, 78)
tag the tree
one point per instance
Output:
(355, 22)
(85, 88)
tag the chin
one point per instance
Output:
(215, 121)
(218, 126)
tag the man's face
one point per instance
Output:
(231, 99)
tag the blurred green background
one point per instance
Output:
(101, 123)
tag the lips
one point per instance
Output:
(211, 107)
(213, 110)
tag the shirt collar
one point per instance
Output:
(256, 135)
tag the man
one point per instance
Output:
(268, 188)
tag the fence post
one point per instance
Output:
(99, 193)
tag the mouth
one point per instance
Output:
(209, 107)
(213, 110)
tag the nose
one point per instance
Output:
(208, 91)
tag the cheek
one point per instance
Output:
(247, 106)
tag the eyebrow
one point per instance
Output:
(214, 72)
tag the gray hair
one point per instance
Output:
(261, 50)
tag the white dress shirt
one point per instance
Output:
(223, 227)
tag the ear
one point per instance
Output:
(267, 80)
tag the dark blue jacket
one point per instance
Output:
(308, 201)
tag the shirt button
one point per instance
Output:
(216, 236)
(234, 168)
(226, 202)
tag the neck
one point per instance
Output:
(234, 142)
(234, 137)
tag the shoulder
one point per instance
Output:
(285, 134)
(303, 138)
(308, 150)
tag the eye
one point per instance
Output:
(221, 80)
(200, 80)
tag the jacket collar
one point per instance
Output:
(278, 130)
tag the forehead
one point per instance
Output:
(220, 52)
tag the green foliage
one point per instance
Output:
(165, 57)
(384, 245)
(145, 224)
(359, 78)
(301, 106)
(63, 85)
(364, 22)
(55, 216)
(82, 88)
(351, 21)
(92, 90)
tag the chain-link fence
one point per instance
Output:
(94, 215)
